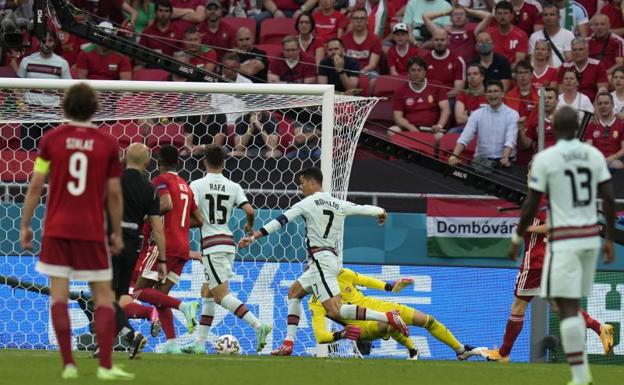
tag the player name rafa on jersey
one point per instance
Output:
(323, 202)
(79, 144)
(216, 187)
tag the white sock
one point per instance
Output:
(205, 321)
(233, 304)
(294, 313)
(354, 312)
(573, 340)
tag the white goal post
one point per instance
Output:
(145, 111)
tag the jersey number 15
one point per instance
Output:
(216, 204)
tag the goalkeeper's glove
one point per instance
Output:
(401, 284)
(350, 332)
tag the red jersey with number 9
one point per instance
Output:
(177, 220)
(82, 159)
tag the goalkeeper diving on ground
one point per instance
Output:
(349, 280)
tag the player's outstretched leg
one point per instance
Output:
(354, 312)
(239, 309)
(514, 325)
(205, 322)
(604, 331)
(162, 300)
(292, 323)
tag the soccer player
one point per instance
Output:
(348, 280)
(84, 169)
(573, 174)
(177, 205)
(324, 218)
(216, 196)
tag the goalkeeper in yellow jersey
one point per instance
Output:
(348, 280)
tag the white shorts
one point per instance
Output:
(320, 278)
(568, 273)
(218, 268)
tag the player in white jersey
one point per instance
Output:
(573, 174)
(217, 197)
(324, 218)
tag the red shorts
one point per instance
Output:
(71, 258)
(147, 266)
(528, 284)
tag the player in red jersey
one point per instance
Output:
(84, 170)
(179, 212)
(606, 131)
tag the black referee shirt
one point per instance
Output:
(140, 200)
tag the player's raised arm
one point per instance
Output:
(274, 225)
(250, 215)
(319, 326)
(377, 284)
(368, 210)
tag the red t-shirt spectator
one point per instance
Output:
(607, 138)
(362, 51)
(463, 43)
(287, 5)
(394, 58)
(296, 74)
(103, 67)
(591, 6)
(593, 73)
(523, 104)
(206, 56)
(614, 14)
(311, 50)
(180, 23)
(549, 133)
(419, 107)
(528, 15)
(110, 10)
(70, 46)
(166, 46)
(445, 70)
(546, 78)
(471, 102)
(224, 37)
(507, 45)
(606, 50)
(326, 27)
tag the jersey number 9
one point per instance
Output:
(78, 162)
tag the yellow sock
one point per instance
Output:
(439, 331)
(400, 338)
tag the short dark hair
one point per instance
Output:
(494, 82)
(618, 69)
(80, 102)
(504, 5)
(551, 89)
(566, 120)
(525, 64)
(339, 40)
(478, 66)
(168, 156)
(313, 173)
(312, 23)
(214, 155)
(164, 4)
(550, 5)
(419, 61)
(230, 56)
(607, 94)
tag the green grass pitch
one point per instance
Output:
(25, 367)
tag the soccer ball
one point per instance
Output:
(227, 344)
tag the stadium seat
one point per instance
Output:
(382, 113)
(422, 142)
(126, 132)
(273, 51)
(447, 145)
(162, 134)
(16, 165)
(10, 135)
(7, 72)
(236, 22)
(273, 30)
(151, 74)
(387, 86)
(364, 85)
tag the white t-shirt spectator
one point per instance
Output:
(581, 103)
(562, 40)
(36, 66)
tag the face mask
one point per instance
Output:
(484, 48)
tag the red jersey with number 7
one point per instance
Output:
(82, 159)
(177, 220)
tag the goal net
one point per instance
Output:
(270, 131)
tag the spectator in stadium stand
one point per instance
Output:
(592, 75)
(613, 10)
(362, 45)
(509, 40)
(590, 7)
(400, 53)
(254, 62)
(292, 66)
(527, 135)
(543, 73)
(337, 69)
(100, 63)
(618, 92)
(44, 64)
(201, 56)
(570, 95)
(606, 132)
(70, 46)
(559, 39)
(420, 105)
(580, 19)
(146, 14)
(497, 67)
(471, 98)
(496, 127)
(412, 17)
(110, 10)
(306, 142)
(380, 16)
(284, 8)
(527, 15)
(461, 34)
(523, 97)
(309, 42)
(443, 66)
(187, 13)
(163, 35)
(216, 34)
(230, 69)
(329, 22)
(605, 46)
(256, 134)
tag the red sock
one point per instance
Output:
(590, 322)
(156, 298)
(62, 328)
(105, 333)
(513, 328)
(135, 310)
(166, 321)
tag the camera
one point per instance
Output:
(11, 28)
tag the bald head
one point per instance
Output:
(244, 40)
(137, 156)
(440, 41)
(600, 25)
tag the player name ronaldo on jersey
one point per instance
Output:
(569, 173)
